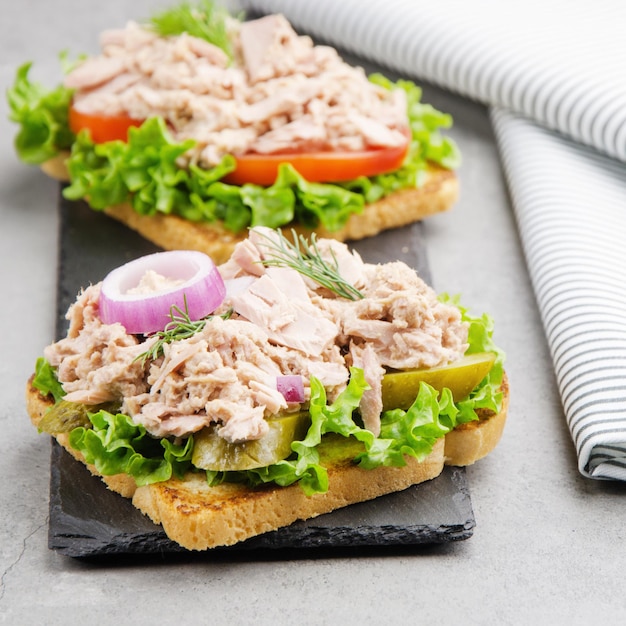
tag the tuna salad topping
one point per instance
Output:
(280, 322)
(279, 93)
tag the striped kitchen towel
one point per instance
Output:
(570, 206)
(541, 66)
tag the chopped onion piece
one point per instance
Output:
(199, 294)
(292, 387)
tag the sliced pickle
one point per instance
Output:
(400, 388)
(336, 449)
(64, 416)
(212, 452)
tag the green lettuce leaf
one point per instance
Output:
(142, 171)
(42, 117)
(115, 445)
(319, 203)
(46, 380)
(488, 394)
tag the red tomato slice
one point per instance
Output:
(262, 169)
(102, 127)
(318, 167)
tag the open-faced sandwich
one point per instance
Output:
(197, 125)
(294, 379)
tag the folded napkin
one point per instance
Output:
(570, 206)
(541, 66)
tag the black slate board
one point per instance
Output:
(88, 520)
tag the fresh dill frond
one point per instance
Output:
(306, 258)
(204, 20)
(180, 327)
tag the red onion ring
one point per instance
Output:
(203, 291)
(292, 387)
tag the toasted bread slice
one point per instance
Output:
(438, 192)
(198, 516)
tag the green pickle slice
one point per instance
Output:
(64, 416)
(212, 452)
(400, 388)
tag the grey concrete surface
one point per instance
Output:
(548, 545)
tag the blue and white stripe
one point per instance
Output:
(570, 206)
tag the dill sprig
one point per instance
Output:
(306, 258)
(204, 20)
(180, 327)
